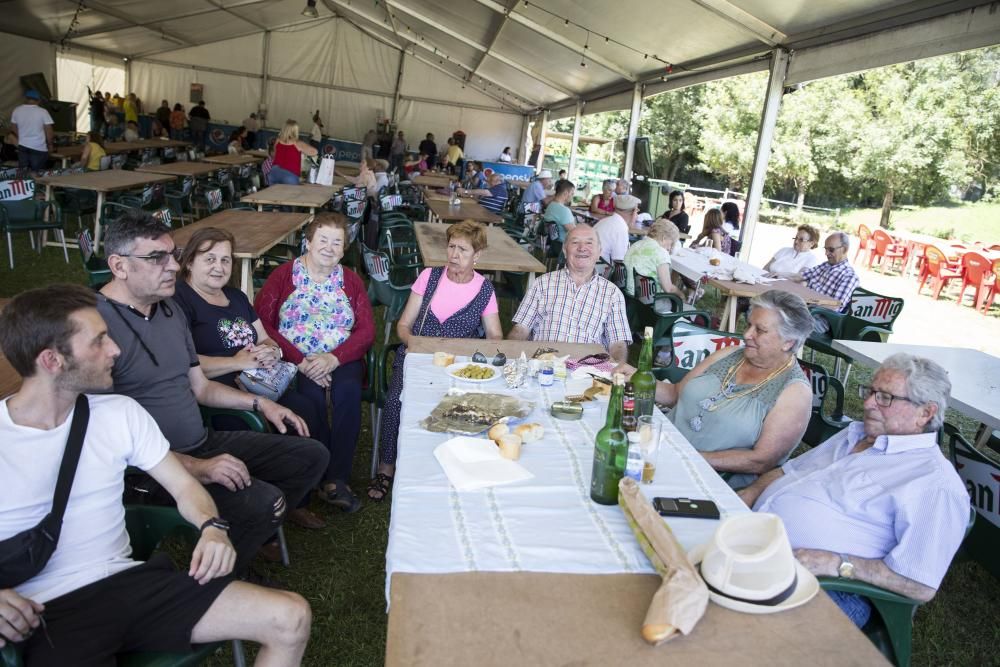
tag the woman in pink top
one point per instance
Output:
(453, 301)
(288, 151)
(603, 205)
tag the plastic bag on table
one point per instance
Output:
(471, 413)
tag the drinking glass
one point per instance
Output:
(650, 433)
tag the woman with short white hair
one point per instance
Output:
(650, 257)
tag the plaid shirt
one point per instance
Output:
(836, 280)
(556, 309)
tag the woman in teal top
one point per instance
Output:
(746, 408)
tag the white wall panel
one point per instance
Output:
(422, 80)
(345, 115)
(486, 132)
(228, 98)
(79, 69)
(243, 54)
(20, 56)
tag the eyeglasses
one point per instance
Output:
(159, 257)
(882, 398)
(833, 249)
(802, 240)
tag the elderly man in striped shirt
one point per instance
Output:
(575, 305)
(877, 502)
(836, 278)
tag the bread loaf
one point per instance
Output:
(443, 359)
(498, 430)
(529, 432)
(510, 446)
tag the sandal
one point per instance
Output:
(379, 487)
(340, 496)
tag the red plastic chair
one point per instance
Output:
(937, 268)
(993, 289)
(884, 247)
(976, 271)
(864, 234)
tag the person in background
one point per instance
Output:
(8, 150)
(365, 178)
(198, 119)
(474, 178)
(316, 133)
(613, 230)
(112, 129)
(397, 153)
(453, 156)
(536, 191)
(676, 213)
(419, 165)
(877, 502)
(650, 257)
(746, 408)
(251, 124)
(90, 159)
(505, 155)
(604, 204)
(560, 215)
(177, 120)
(236, 138)
(453, 301)
(163, 113)
(622, 187)
(130, 106)
(429, 148)
(712, 234)
(268, 163)
(368, 146)
(493, 197)
(575, 304)
(96, 112)
(791, 261)
(381, 170)
(561, 176)
(33, 126)
(229, 337)
(730, 217)
(157, 131)
(318, 312)
(288, 152)
(835, 277)
(131, 131)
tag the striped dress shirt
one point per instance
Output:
(556, 309)
(899, 501)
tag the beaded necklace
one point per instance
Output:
(712, 403)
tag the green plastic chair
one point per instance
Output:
(147, 527)
(822, 427)
(29, 215)
(691, 344)
(383, 372)
(870, 318)
(98, 273)
(646, 309)
(890, 627)
(386, 286)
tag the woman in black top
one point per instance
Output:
(676, 213)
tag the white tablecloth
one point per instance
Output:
(693, 263)
(546, 524)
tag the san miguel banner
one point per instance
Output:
(982, 481)
(17, 189)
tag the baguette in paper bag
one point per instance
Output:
(682, 598)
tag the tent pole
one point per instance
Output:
(765, 135)
(265, 66)
(544, 120)
(633, 130)
(522, 149)
(573, 150)
(399, 84)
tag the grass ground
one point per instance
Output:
(341, 570)
(966, 222)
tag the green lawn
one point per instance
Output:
(966, 222)
(341, 570)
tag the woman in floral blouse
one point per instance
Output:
(318, 312)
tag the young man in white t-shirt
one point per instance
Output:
(35, 136)
(96, 601)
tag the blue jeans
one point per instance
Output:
(857, 608)
(32, 159)
(281, 176)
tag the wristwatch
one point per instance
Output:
(215, 522)
(846, 568)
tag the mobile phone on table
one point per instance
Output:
(686, 507)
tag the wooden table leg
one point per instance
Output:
(97, 221)
(260, 208)
(730, 314)
(246, 277)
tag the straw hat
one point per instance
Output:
(749, 567)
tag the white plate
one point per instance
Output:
(451, 370)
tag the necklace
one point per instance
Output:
(712, 403)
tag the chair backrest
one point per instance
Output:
(645, 287)
(882, 241)
(86, 243)
(864, 234)
(213, 199)
(977, 268)
(169, 153)
(355, 209)
(105, 163)
(376, 264)
(693, 344)
(163, 215)
(354, 194)
(390, 202)
(533, 207)
(223, 176)
(118, 161)
(875, 308)
(996, 271)
(934, 260)
(617, 275)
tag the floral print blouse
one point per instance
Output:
(317, 317)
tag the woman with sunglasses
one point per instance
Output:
(791, 261)
(454, 301)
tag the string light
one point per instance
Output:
(72, 25)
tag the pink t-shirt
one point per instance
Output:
(449, 297)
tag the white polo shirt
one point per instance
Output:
(31, 120)
(613, 232)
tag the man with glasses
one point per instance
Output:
(835, 278)
(878, 501)
(252, 477)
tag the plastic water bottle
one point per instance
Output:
(633, 464)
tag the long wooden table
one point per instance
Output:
(433, 180)
(232, 160)
(101, 182)
(502, 253)
(180, 169)
(468, 210)
(73, 152)
(255, 234)
(10, 381)
(535, 574)
(734, 290)
(307, 196)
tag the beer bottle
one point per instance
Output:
(629, 420)
(610, 450)
(643, 380)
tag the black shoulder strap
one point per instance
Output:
(71, 457)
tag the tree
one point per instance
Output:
(730, 116)
(672, 122)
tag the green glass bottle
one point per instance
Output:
(610, 450)
(643, 380)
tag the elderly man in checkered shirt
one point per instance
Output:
(835, 278)
(575, 305)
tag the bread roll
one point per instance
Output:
(529, 432)
(443, 359)
(510, 446)
(715, 261)
(658, 632)
(498, 430)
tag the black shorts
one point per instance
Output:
(149, 607)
